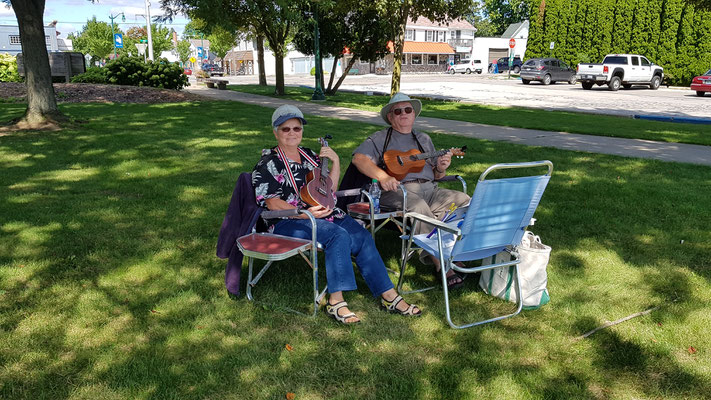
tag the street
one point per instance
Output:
(500, 91)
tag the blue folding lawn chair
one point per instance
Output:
(495, 221)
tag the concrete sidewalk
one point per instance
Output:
(676, 152)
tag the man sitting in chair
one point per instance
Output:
(423, 195)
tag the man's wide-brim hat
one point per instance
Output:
(399, 98)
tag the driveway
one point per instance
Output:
(499, 91)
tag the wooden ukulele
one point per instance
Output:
(400, 163)
(318, 190)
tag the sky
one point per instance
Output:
(71, 15)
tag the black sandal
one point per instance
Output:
(454, 281)
(332, 310)
(391, 307)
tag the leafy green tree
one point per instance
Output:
(162, 40)
(95, 39)
(503, 13)
(398, 12)
(351, 25)
(42, 107)
(274, 20)
(183, 50)
(222, 41)
(478, 17)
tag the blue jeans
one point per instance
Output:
(341, 239)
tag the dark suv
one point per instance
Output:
(547, 71)
(503, 65)
(213, 69)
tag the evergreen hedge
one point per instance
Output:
(671, 33)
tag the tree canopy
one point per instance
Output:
(347, 25)
(95, 39)
(275, 20)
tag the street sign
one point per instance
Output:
(192, 59)
(141, 48)
(512, 43)
(552, 45)
(199, 49)
(118, 40)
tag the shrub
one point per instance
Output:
(166, 75)
(202, 74)
(133, 71)
(8, 69)
(92, 75)
(125, 71)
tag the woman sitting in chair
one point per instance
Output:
(341, 236)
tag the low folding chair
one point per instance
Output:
(494, 221)
(271, 247)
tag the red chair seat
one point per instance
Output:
(271, 245)
(360, 208)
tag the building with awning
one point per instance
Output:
(239, 62)
(429, 47)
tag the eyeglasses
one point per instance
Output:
(398, 111)
(287, 129)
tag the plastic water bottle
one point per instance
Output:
(375, 195)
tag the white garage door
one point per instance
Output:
(495, 54)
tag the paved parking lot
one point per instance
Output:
(497, 90)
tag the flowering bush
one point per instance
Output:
(8, 69)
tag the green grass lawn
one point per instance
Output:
(517, 117)
(110, 288)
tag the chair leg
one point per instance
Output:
(518, 309)
(407, 252)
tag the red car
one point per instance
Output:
(188, 71)
(702, 84)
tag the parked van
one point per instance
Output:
(467, 66)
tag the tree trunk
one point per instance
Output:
(398, 46)
(260, 60)
(340, 80)
(41, 104)
(279, 70)
(333, 74)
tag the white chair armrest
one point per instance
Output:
(447, 227)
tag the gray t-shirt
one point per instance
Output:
(373, 148)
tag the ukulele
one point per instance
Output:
(400, 163)
(318, 190)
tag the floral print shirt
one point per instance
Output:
(270, 180)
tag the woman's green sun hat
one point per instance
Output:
(399, 98)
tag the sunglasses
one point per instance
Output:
(398, 111)
(287, 129)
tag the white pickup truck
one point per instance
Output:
(621, 70)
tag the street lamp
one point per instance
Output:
(123, 18)
(318, 91)
(148, 26)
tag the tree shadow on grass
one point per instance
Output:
(120, 294)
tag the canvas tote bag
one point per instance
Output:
(534, 256)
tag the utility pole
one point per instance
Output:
(148, 28)
(123, 18)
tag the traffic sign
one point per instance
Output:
(199, 49)
(192, 59)
(118, 40)
(552, 45)
(512, 43)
